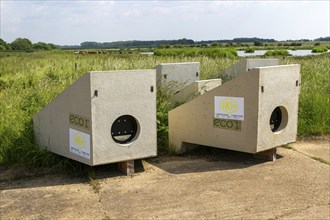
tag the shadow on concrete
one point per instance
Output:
(205, 159)
(200, 159)
(21, 177)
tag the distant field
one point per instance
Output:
(29, 81)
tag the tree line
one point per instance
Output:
(164, 43)
(133, 43)
(24, 44)
(184, 42)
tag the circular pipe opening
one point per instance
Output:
(278, 119)
(124, 129)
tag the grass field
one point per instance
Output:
(29, 81)
(194, 52)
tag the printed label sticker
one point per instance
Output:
(229, 108)
(80, 143)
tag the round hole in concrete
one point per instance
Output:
(278, 119)
(124, 129)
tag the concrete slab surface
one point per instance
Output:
(316, 148)
(206, 184)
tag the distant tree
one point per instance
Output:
(53, 46)
(164, 46)
(22, 44)
(90, 45)
(41, 46)
(254, 39)
(2, 42)
(178, 46)
(323, 39)
(185, 41)
(4, 45)
(2, 48)
(215, 44)
(257, 43)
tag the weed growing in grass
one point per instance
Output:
(163, 107)
(93, 181)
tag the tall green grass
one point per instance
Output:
(249, 50)
(314, 100)
(29, 81)
(320, 49)
(193, 52)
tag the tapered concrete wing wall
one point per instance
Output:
(88, 120)
(194, 89)
(182, 80)
(247, 64)
(178, 75)
(249, 101)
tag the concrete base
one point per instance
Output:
(314, 148)
(173, 187)
(266, 155)
(127, 167)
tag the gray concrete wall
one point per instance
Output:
(177, 75)
(124, 93)
(281, 87)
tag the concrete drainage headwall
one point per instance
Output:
(110, 116)
(103, 117)
(254, 112)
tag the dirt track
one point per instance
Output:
(210, 184)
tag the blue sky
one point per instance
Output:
(73, 22)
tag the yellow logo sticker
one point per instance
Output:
(79, 140)
(80, 143)
(229, 105)
(230, 108)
